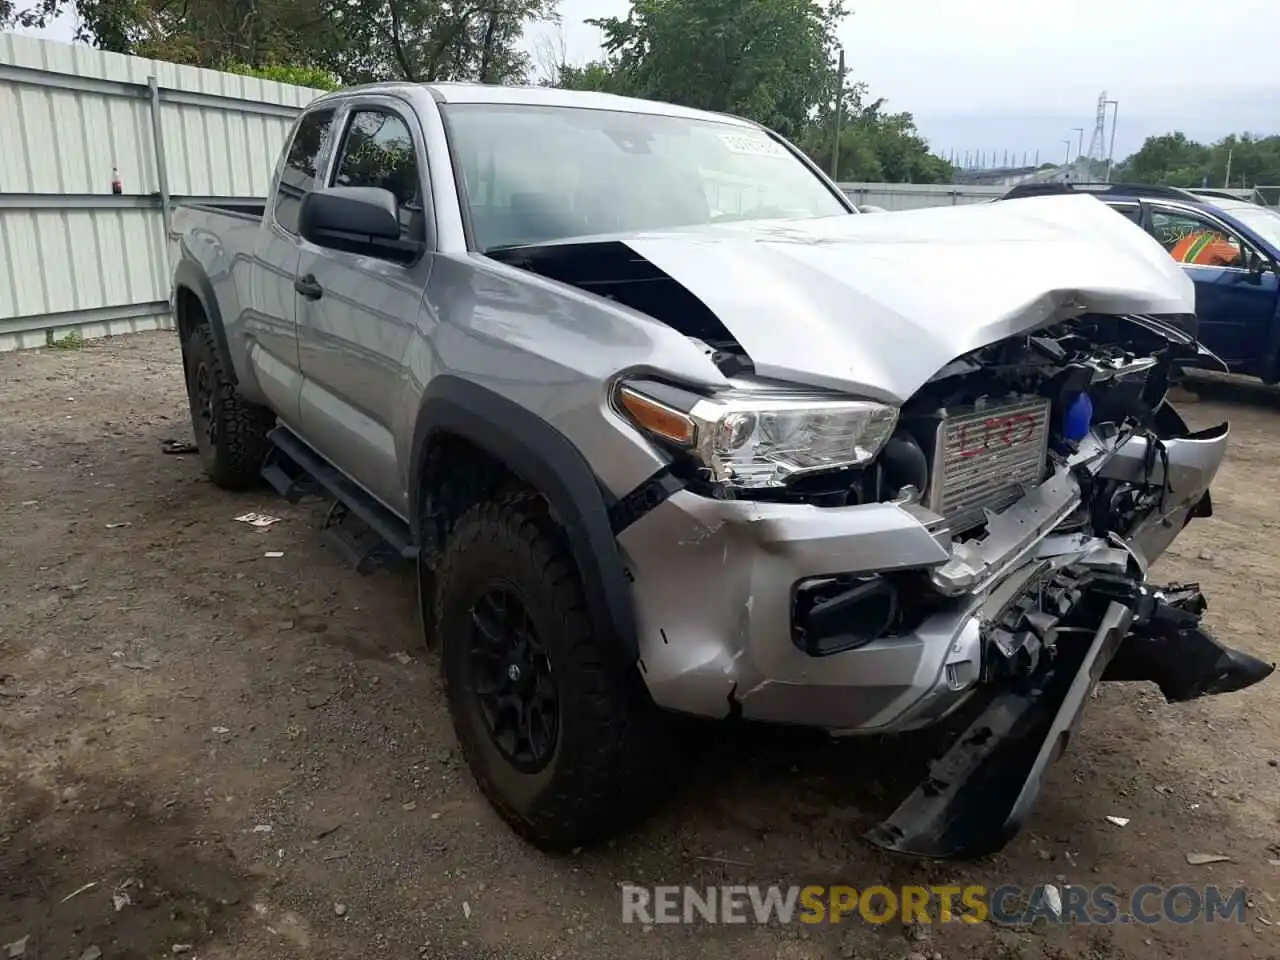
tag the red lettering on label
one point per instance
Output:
(998, 432)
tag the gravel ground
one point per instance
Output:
(209, 752)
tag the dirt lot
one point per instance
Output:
(201, 745)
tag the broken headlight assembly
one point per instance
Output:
(754, 440)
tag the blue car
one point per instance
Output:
(1238, 295)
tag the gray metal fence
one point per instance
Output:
(80, 124)
(913, 196)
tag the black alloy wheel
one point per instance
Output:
(206, 425)
(512, 681)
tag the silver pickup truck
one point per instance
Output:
(669, 428)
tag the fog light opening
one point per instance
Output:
(841, 613)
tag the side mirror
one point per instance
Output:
(357, 219)
(1258, 266)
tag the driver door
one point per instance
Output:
(358, 313)
(1234, 306)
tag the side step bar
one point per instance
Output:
(978, 794)
(295, 469)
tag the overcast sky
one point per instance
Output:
(1005, 75)
(1002, 75)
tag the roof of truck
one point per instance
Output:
(457, 92)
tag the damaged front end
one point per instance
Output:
(1065, 573)
(909, 483)
(992, 557)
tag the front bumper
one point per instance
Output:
(714, 579)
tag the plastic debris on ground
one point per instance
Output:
(1054, 899)
(75, 893)
(1200, 859)
(257, 519)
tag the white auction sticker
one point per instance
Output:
(755, 146)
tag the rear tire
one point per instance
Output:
(230, 432)
(583, 758)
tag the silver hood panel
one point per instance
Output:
(876, 305)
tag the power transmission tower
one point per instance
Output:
(1098, 142)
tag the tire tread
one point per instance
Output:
(242, 446)
(609, 774)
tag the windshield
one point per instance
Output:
(1265, 223)
(537, 173)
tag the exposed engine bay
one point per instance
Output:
(983, 428)
(1052, 470)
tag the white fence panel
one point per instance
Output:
(74, 255)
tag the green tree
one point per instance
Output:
(201, 33)
(595, 75)
(1174, 160)
(315, 77)
(874, 146)
(352, 40)
(1170, 159)
(773, 61)
(1253, 161)
(426, 40)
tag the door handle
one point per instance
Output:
(308, 287)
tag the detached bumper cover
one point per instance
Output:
(980, 791)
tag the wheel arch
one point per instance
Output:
(191, 285)
(545, 460)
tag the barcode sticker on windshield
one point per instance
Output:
(751, 146)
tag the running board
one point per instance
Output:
(294, 469)
(978, 794)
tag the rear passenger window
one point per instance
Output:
(378, 151)
(1129, 212)
(301, 167)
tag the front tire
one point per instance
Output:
(559, 733)
(230, 432)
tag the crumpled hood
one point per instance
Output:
(876, 305)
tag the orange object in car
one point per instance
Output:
(1206, 248)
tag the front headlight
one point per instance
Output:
(755, 440)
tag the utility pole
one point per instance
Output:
(835, 146)
(1226, 181)
(1080, 147)
(1067, 162)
